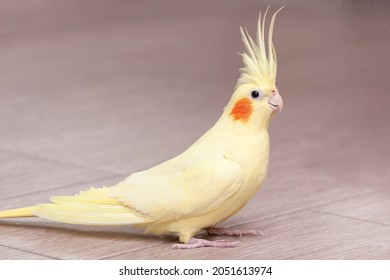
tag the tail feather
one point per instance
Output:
(92, 195)
(88, 214)
(91, 207)
(18, 213)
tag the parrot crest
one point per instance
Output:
(259, 62)
(256, 99)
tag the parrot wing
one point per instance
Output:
(146, 196)
(195, 190)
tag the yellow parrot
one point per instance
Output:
(207, 183)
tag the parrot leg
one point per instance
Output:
(197, 243)
(233, 232)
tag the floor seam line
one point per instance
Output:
(59, 187)
(345, 198)
(42, 158)
(349, 217)
(115, 255)
(25, 251)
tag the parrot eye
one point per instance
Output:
(255, 94)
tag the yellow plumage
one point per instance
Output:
(204, 185)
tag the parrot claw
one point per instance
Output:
(197, 243)
(233, 232)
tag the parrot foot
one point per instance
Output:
(233, 232)
(197, 243)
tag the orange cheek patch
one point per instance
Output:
(242, 110)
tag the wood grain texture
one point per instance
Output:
(92, 92)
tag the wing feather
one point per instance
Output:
(195, 190)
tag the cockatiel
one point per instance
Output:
(207, 183)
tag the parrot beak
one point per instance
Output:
(276, 101)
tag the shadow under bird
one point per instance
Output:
(207, 183)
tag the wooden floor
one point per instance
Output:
(91, 91)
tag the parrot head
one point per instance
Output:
(256, 98)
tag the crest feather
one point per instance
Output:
(260, 63)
